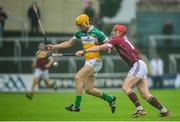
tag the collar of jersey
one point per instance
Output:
(90, 28)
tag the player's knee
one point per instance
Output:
(77, 78)
(126, 88)
(35, 80)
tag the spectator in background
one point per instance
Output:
(33, 18)
(168, 30)
(89, 10)
(157, 71)
(3, 17)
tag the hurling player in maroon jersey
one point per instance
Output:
(41, 66)
(137, 75)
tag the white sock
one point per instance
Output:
(139, 108)
(164, 110)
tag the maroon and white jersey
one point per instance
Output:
(125, 49)
(41, 62)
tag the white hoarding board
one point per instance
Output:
(15, 82)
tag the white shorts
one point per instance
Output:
(44, 74)
(139, 69)
(96, 64)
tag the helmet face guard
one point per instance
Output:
(83, 19)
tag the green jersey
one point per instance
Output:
(89, 39)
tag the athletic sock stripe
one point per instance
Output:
(150, 98)
(130, 92)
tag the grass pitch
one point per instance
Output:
(50, 106)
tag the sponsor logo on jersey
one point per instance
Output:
(88, 39)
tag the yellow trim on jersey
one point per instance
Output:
(91, 55)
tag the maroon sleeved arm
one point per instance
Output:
(112, 42)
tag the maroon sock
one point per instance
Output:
(134, 98)
(154, 102)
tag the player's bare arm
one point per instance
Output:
(93, 49)
(33, 64)
(50, 61)
(65, 44)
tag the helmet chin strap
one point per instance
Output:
(120, 34)
(117, 33)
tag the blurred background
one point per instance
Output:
(153, 27)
